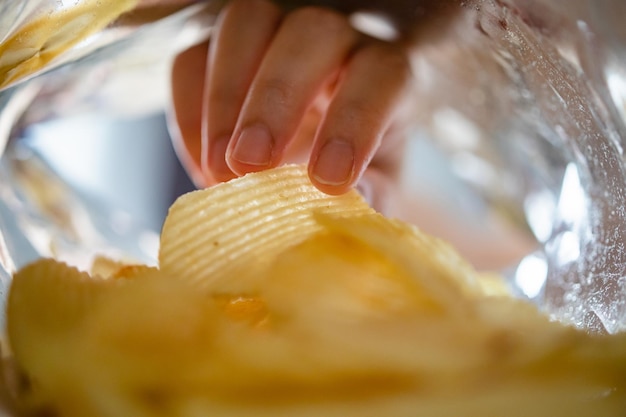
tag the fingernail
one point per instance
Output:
(335, 163)
(253, 146)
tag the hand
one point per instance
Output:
(309, 78)
(278, 87)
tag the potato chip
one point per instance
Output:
(107, 268)
(232, 229)
(309, 305)
(48, 303)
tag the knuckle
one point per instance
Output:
(392, 59)
(222, 96)
(247, 7)
(357, 115)
(276, 92)
(316, 19)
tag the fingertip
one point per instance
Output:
(332, 170)
(251, 150)
(331, 189)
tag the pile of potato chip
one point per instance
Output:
(273, 299)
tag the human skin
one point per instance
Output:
(293, 83)
(308, 85)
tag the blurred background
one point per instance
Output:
(129, 164)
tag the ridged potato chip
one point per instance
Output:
(309, 305)
(235, 228)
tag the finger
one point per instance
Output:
(185, 119)
(310, 46)
(360, 113)
(237, 49)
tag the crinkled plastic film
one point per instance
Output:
(104, 51)
(44, 30)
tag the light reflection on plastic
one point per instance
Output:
(569, 248)
(539, 208)
(617, 88)
(149, 243)
(121, 222)
(473, 169)
(531, 275)
(572, 200)
(66, 4)
(456, 130)
(375, 25)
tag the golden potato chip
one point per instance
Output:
(107, 268)
(48, 304)
(344, 313)
(232, 229)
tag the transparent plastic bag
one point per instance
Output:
(40, 34)
(106, 56)
(541, 87)
(524, 101)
